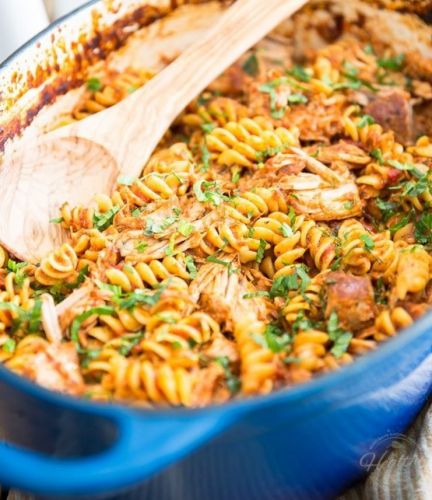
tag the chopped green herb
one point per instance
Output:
(155, 227)
(136, 212)
(348, 205)
(258, 293)
(349, 69)
(299, 280)
(235, 177)
(340, 337)
(103, 221)
(250, 66)
(32, 317)
(205, 158)
(380, 292)
(299, 73)
(114, 289)
(395, 63)
(129, 342)
(368, 49)
(94, 84)
(232, 381)
(365, 120)
(269, 88)
(126, 180)
(185, 228)
(423, 229)
(57, 220)
(88, 355)
(17, 268)
(297, 98)
(368, 242)
(141, 247)
(401, 223)
(269, 152)
(276, 339)
(387, 208)
(140, 297)
(286, 230)
(208, 127)
(302, 323)
(377, 154)
(176, 345)
(79, 320)
(260, 252)
(209, 192)
(9, 346)
(191, 267)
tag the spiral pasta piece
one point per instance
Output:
(140, 379)
(390, 321)
(58, 266)
(257, 362)
(218, 111)
(152, 273)
(240, 143)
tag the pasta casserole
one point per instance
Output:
(281, 229)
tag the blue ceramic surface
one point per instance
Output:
(308, 442)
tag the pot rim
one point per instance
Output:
(300, 392)
(46, 31)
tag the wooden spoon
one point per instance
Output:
(75, 162)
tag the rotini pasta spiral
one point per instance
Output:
(58, 266)
(240, 143)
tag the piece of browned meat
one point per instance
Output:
(392, 109)
(352, 298)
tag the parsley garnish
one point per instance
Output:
(18, 269)
(207, 128)
(94, 84)
(269, 88)
(190, 266)
(154, 227)
(185, 228)
(140, 297)
(377, 154)
(209, 191)
(129, 342)
(365, 120)
(260, 252)
(126, 180)
(250, 66)
(232, 381)
(299, 73)
(368, 242)
(387, 208)
(275, 338)
(79, 320)
(286, 230)
(141, 246)
(299, 280)
(9, 346)
(205, 157)
(103, 221)
(57, 220)
(269, 152)
(297, 98)
(395, 63)
(340, 337)
(31, 317)
(423, 229)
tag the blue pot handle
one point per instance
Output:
(146, 443)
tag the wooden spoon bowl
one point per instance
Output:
(74, 162)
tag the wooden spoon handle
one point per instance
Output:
(132, 129)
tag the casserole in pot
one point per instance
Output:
(305, 442)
